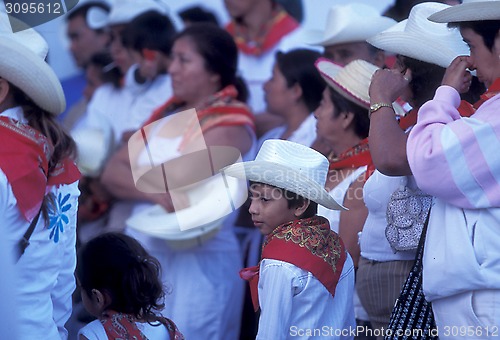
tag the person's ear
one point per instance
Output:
(100, 299)
(4, 90)
(297, 91)
(301, 208)
(348, 118)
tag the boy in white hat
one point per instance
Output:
(305, 281)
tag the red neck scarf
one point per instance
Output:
(24, 155)
(220, 109)
(121, 326)
(492, 91)
(358, 155)
(280, 24)
(306, 243)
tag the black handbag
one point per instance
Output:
(412, 316)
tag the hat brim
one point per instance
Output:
(24, 69)
(471, 11)
(211, 203)
(417, 47)
(283, 177)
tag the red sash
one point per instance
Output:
(119, 326)
(24, 154)
(358, 155)
(308, 244)
(271, 33)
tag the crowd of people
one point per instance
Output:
(256, 180)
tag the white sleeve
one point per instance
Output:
(277, 286)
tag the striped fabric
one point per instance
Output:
(457, 159)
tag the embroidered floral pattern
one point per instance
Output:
(57, 216)
(313, 234)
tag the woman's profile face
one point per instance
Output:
(328, 125)
(485, 61)
(278, 95)
(190, 78)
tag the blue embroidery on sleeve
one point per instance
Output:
(58, 218)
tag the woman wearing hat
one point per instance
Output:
(38, 185)
(424, 49)
(305, 280)
(456, 160)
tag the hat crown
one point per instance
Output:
(302, 159)
(29, 38)
(352, 22)
(418, 24)
(124, 11)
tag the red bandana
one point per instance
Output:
(308, 244)
(24, 154)
(120, 326)
(271, 33)
(358, 155)
(221, 109)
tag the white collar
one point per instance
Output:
(14, 113)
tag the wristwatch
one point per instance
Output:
(375, 106)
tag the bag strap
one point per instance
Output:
(24, 242)
(421, 243)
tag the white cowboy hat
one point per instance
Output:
(211, 201)
(349, 23)
(290, 166)
(22, 63)
(124, 11)
(471, 10)
(94, 146)
(352, 81)
(421, 39)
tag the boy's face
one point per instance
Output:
(269, 208)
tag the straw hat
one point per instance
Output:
(352, 81)
(22, 63)
(124, 11)
(349, 23)
(211, 201)
(290, 166)
(421, 39)
(471, 10)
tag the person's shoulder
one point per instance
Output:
(93, 331)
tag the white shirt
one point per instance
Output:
(45, 272)
(95, 331)
(305, 134)
(293, 302)
(127, 108)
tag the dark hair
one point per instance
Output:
(118, 265)
(297, 66)
(341, 104)
(150, 30)
(293, 7)
(487, 29)
(46, 123)
(219, 52)
(293, 200)
(197, 14)
(109, 73)
(82, 10)
(425, 78)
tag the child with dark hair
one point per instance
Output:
(305, 280)
(120, 285)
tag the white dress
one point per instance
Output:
(95, 331)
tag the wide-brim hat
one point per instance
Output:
(124, 11)
(351, 81)
(472, 10)
(22, 63)
(349, 23)
(421, 39)
(211, 201)
(290, 166)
